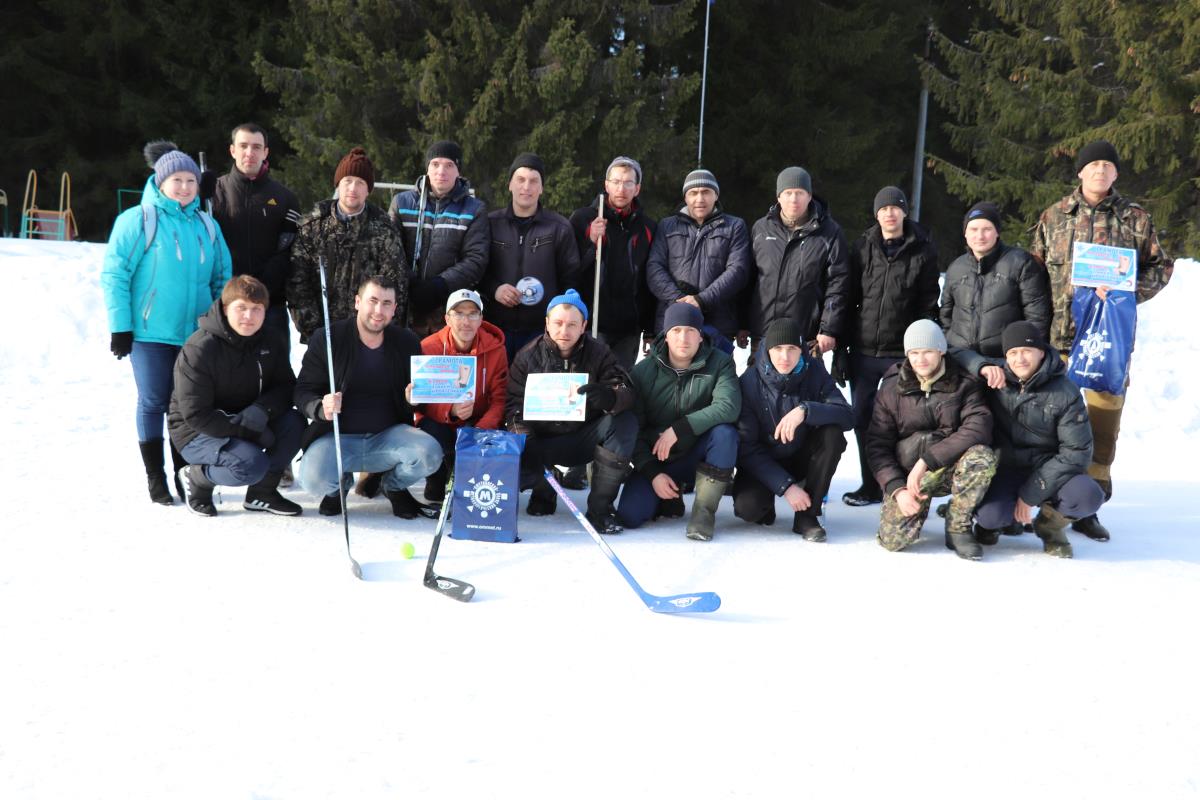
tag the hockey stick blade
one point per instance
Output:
(699, 602)
(451, 587)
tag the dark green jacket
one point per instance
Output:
(691, 401)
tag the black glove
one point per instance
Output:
(840, 367)
(208, 185)
(121, 344)
(599, 396)
(266, 438)
(253, 417)
(425, 294)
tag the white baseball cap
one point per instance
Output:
(463, 295)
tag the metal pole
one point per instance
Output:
(919, 154)
(703, 83)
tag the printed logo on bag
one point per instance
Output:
(485, 496)
(1091, 350)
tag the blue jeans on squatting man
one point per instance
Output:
(717, 447)
(154, 374)
(402, 453)
(1079, 497)
(239, 462)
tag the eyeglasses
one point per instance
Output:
(471, 316)
(626, 185)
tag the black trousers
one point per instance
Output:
(865, 374)
(814, 463)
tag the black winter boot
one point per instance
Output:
(1051, 527)
(435, 484)
(265, 496)
(670, 509)
(863, 496)
(986, 536)
(575, 477)
(711, 483)
(543, 501)
(608, 473)
(156, 478)
(1092, 528)
(198, 490)
(807, 525)
(178, 462)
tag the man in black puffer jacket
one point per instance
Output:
(986, 289)
(791, 431)
(231, 409)
(701, 256)
(455, 236)
(894, 279)
(930, 436)
(1045, 444)
(801, 268)
(534, 258)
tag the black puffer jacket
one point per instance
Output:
(546, 251)
(710, 261)
(218, 373)
(258, 219)
(801, 274)
(891, 292)
(542, 355)
(939, 426)
(456, 239)
(399, 345)
(767, 397)
(981, 297)
(626, 304)
(1042, 426)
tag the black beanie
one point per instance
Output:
(983, 210)
(1098, 150)
(890, 196)
(445, 149)
(1022, 334)
(783, 331)
(529, 161)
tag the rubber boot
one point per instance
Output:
(710, 487)
(178, 462)
(198, 490)
(807, 525)
(1051, 527)
(608, 473)
(960, 539)
(156, 478)
(265, 496)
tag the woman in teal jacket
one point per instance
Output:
(165, 265)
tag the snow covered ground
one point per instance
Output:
(149, 653)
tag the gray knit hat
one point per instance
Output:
(629, 163)
(924, 334)
(172, 162)
(890, 196)
(793, 178)
(699, 178)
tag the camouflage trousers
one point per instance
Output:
(966, 481)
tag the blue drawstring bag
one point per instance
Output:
(1104, 330)
(487, 488)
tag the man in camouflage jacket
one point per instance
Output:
(1095, 213)
(356, 239)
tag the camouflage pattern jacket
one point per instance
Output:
(1116, 222)
(365, 245)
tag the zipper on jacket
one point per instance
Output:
(178, 249)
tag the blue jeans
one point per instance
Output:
(717, 447)
(238, 462)
(1079, 497)
(154, 373)
(402, 453)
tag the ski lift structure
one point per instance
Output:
(39, 223)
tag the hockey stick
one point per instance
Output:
(451, 587)
(596, 283)
(424, 197)
(673, 604)
(337, 439)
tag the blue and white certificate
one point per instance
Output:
(443, 379)
(1101, 265)
(553, 397)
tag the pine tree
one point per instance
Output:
(1041, 80)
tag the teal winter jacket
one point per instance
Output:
(159, 293)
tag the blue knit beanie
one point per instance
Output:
(571, 298)
(683, 314)
(172, 162)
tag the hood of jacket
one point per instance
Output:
(214, 322)
(487, 338)
(772, 378)
(152, 196)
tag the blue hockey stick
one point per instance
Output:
(674, 604)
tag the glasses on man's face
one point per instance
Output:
(626, 185)
(471, 316)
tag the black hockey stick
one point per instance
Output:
(337, 439)
(451, 587)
